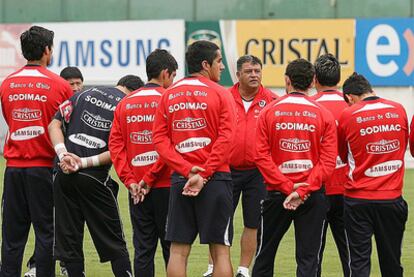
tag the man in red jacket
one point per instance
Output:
(373, 135)
(134, 158)
(328, 74)
(296, 151)
(30, 97)
(193, 128)
(250, 97)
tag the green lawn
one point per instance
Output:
(285, 261)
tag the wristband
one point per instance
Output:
(60, 150)
(84, 162)
(95, 160)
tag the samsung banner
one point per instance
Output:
(103, 51)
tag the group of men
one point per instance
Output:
(187, 151)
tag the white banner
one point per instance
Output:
(103, 51)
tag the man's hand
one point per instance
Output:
(70, 163)
(139, 191)
(194, 170)
(193, 186)
(292, 202)
(298, 185)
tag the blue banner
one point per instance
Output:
(384, 51)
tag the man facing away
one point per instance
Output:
(373, 136)
(83, 189)
(296, 152)
(327, 77)
(75, 79)
(30, 97)
(193, 132)
(250, 98)
(134, 158)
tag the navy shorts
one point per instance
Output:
(250, 182)
(209, 214)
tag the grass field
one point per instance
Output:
(285, 261)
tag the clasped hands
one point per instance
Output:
(293, 201)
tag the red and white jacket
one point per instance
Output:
(243, 150)
(373, 136)
(296, 142)
(334, 101)
(30, 98)
(194, 125)
(130, 143)
(412, 137)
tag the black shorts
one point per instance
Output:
(81, 198)
(250, 182)
(209, 214)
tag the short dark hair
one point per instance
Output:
(71, 72)
(34, 42)
(131, 82)
(356, 84)
(248, 59)
(159, 60)
(300, 73)
(328, 70)
(198, 52)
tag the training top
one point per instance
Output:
(194, 126)
(87, 120)
(333, 100)
(296, 142)
(243, 147)
(373, 136)
(30, 98)
(412, 137)
(130, 143)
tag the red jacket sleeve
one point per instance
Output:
(163, 144)
(327, 158)
(154, 173)
(412, 137)
(271, 173)
(342, 141)
(118, 151)
(220, 151)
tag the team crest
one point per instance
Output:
(262, 103)
(66, 109)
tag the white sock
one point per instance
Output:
(243, 270)
(209, 270)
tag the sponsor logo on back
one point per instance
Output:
(383, 146)
(96, 121)
(189, 123)
(26, 114)
(192, 144)
(27, 133)
(295, 166)
(384, 169)
(141, 137)
(294, 145)
(87, 141)
(144, 159)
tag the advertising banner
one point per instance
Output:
(103, 51)
(384, 51)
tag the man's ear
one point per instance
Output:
(205, 65)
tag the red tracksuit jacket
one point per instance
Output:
(373, 136)
(30, 98)
(243, 150)
(296, 142)
(130, 143)
(194, 125)
(334, 101)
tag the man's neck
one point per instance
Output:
(290, 90)
(325, 88)
(39, 62)
(248, 93)
(123, 89)
(200, 74)
(156, 81)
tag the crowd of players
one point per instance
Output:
(187, 151)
